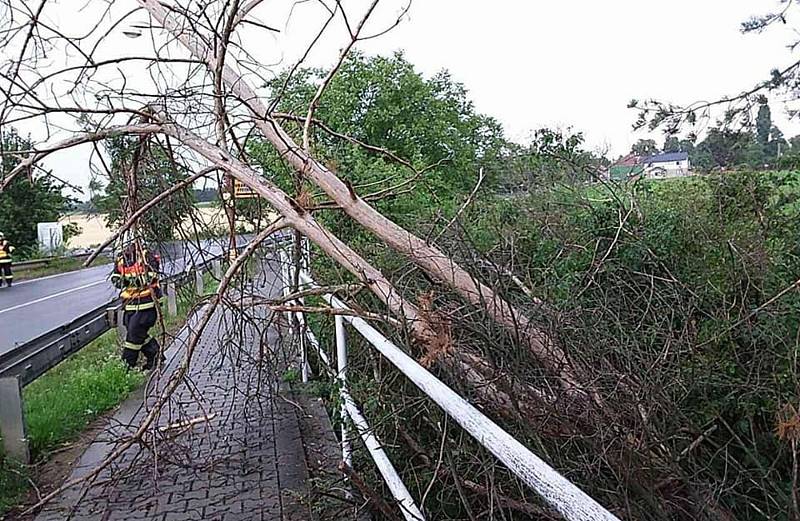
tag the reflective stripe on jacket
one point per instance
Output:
(138, 281)
(5, 251)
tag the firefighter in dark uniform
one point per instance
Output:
(136, 274)
(5, 261)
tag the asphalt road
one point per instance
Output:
(31, 308)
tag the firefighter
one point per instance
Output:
(5, 261)
(136, 274)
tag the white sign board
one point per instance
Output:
(51, 237)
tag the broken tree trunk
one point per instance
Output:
(428, 257)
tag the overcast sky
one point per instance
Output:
(562, 64)
(578, 63)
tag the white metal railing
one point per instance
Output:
(555, 490)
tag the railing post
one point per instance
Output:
(295, 319)
(305, 266)
(341, 375)
(301, 322)
(285, 281)
(198, 282)
(217, 266)
(172, 299)
(12, 420)
(306, 254)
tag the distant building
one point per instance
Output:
(668, 164)
(625, 168)
(659, 166)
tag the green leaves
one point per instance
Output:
(155, 172)
(26, 202)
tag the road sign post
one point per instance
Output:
(12, 420)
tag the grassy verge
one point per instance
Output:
(57, 266)
(64, 401)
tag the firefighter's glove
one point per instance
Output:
(117, 281)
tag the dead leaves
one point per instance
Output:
(441, 344)
(788, 428)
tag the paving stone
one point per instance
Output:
(220, 470)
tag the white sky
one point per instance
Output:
(532, 63)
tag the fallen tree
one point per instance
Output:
(211, 115)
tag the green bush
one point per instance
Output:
(64, 401)
(675, 298)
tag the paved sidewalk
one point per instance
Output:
(247, 462)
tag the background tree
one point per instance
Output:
(26, 202)
(205, 195)
(775, 147)
(672, 144)
(156, 170)
(384, 101)
(726, 148)
(644, 147)
(550, 157)
(763, 124)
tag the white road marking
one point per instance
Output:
(54, 295)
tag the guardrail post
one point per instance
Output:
(172, 299)
(198, 282)
(12, 420)
(341, 375)
(121, 330)
(216, 264)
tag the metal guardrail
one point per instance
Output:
(29, 361)
(554, 489)
(24, 364)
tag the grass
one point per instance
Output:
(57, 266)
(65, 400)
(60, 404)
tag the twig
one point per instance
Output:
(144, 208)
(464, 205)
(753, 313)
(376, 501)
(188, 423)
(326, 81)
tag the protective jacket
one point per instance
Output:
(138, 280)
(5, 251)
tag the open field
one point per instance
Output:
(94, 229)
